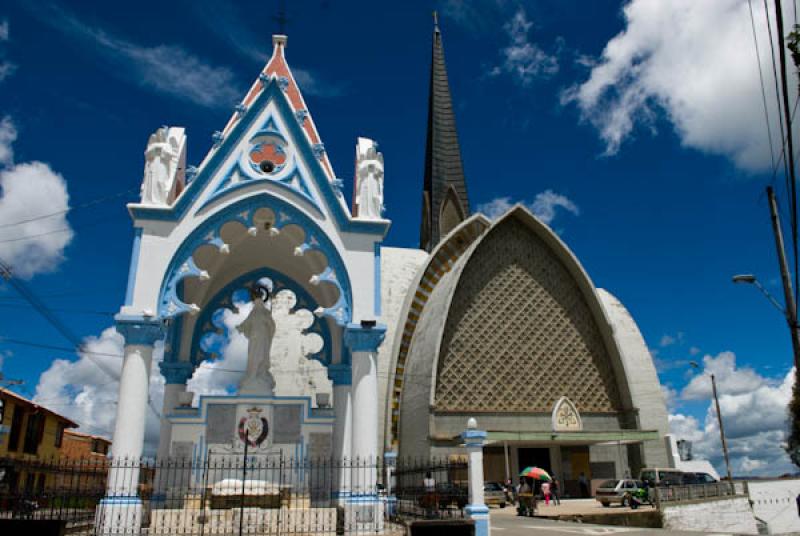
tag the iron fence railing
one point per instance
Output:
(233, 494)
(695, 492)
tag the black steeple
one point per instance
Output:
(444, 199)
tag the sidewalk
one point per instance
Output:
(574, 507)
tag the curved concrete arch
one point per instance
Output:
(426, 278)
(424, 356)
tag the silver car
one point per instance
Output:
(494, 493)
(617, 491)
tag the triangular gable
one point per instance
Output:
(225, 167)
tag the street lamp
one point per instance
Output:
(750, 279)
(695, 365)
(789, 312)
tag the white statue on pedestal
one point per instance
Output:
(369, 180)
(165, 164)
(259, 328)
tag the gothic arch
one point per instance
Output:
(452, 213)
(520, 333)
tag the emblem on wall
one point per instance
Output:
(566, 417)
(253, 428)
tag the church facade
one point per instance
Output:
(495, 320)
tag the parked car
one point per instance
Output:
(494, 493)
(661, 477)
(698, 478)
(617, 491)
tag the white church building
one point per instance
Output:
(358, 350)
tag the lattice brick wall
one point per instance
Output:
(520, 334)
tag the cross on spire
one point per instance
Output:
(281, 18)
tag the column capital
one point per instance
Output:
(473, 438)
(139, 329)
(340, 374)
(176, 372)
(364, 339)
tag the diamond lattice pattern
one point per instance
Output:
(520, 334)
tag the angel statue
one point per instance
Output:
(259, 329)
(369, 179)
(165, 162)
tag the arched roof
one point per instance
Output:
(552, 326)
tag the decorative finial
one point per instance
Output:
(436, 19)
(472, 424)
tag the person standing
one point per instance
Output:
(555, 491)
(584, 485)
(546, 493)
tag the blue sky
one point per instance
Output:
(654, 156)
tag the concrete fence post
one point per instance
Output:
(476, 509)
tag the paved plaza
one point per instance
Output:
(505, 522)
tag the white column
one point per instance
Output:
(128, 442)
(476, 509)
(172, 391)
(342, 434)
(121, 510)
(365, 512)
(365, 406)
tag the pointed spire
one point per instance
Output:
(445, 203)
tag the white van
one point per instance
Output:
(655, 476)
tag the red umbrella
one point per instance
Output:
(537, 473)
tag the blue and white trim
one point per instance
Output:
(473, 438)
(176, 372)
(139, 330)
(361, 339)
(340, 374)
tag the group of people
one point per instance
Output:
(529, 490)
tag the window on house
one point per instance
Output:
(60, 434)
(99, 446)
(33, 433)
(16, 428)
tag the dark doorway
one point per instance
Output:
(538, 457)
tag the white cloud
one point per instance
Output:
(754, 411)
(165, 69)
(311, 84)
(522, 59)
(30, 190)
(694, 62)
(543, 206)
(667, 340)
(86, 390)
(8, 135)
(731, 380)
(670, 397)
(6, 67)
(229, 26)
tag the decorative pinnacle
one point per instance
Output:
(279, 40)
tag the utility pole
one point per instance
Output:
(790, 308)
(789, 146)
(722, 434)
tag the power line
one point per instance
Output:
(87, 204)
(763, 91)
(22, 288)
(67, 229)
(57, 309)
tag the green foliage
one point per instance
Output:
(793, 44)
(793, 446)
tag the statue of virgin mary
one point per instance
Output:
(259, 328)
